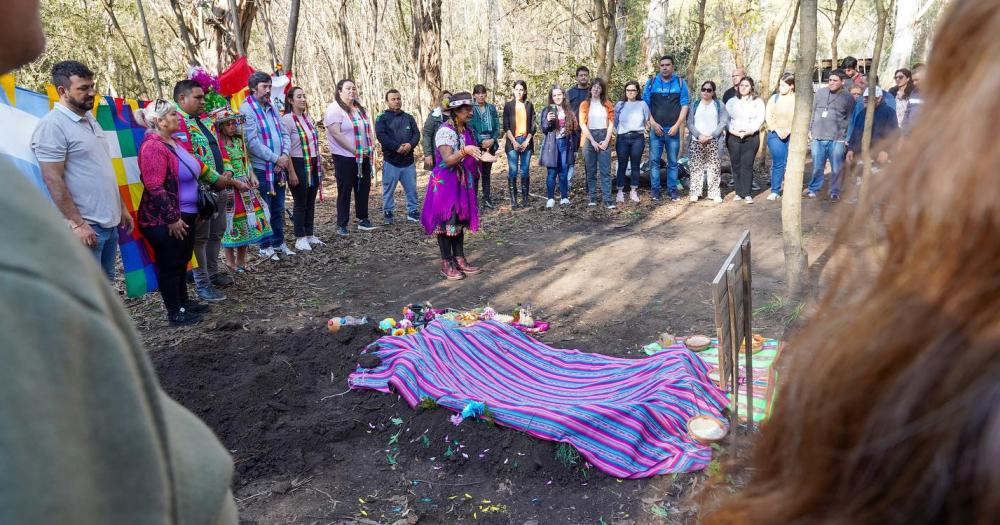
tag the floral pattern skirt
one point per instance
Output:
(247, 218)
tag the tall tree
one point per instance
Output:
(606, 35)
(109, 8)
(882, 19)
(788, 38)
(293, 31)
(837, 16)
(796, 260)
(426, 15)
(906, 26)
(192, 52)
(693, 63)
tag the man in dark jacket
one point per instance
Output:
(884, 127)
(431, 125)
(576, 95)
(397, 132)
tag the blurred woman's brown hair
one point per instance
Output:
(891, 414)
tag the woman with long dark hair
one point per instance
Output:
(304, 151)
(901, 93)
(450, 204)
(518, 129)
(631, 124)
(707, 121)
(746, 116)
(890, 413)
(349, 135)
(559, 125)
(597, 117)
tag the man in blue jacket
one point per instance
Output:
(666, 94)
(884, 127)
(397, 132)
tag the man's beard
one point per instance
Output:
(83, 105)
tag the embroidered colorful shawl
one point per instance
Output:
(310, 145)
(265, 135)
(361, 131)
(190, 136)
(451, 190)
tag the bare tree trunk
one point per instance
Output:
(234, 17)
(192, 52)
(149, 48)
(601, 35)
(426, 15)
(835, 31)
(611, 29)
(788, 39)
(696, 53)
(765, 72)
(293, 30)
(882, 15)
(271, 48)
(110, 9)
(796, 260)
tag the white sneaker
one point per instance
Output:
(717, 200)
(591, 203)
(610, 206)
(284, 249)
(550, 203)
(315, 240)
(564, 202)
(302, 245)
(694, 198)
(633, 195)
(772, 197)
(266, 253)
(748, 199)
(620, 197)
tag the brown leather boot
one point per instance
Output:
(465, 267)
(450, 272)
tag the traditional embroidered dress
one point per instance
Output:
(450, 203)
(246, 213)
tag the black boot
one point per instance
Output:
(524, 194)
(512, 190)
(487, 191)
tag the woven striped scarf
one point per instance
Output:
(310, 145)
(265, 135)
(361, 130)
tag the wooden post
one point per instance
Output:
(149, 47)
(734, 349)
(748, 326)
(234, 14)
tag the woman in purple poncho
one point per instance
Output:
(450, 204)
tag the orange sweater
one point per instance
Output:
(584, 115)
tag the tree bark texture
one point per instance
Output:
(796, 260)
(882, 16)
(293, 30)
(693, 85)
(426, 16)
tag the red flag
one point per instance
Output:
(235, 78)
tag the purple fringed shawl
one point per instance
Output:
(450, 190)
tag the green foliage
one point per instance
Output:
(427, 403)
(567, 455)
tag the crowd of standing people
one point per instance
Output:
(215, 179)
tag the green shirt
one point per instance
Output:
(192, 136)
(86, 433)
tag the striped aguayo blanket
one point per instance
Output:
(627, 417)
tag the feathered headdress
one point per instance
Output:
(209, 83)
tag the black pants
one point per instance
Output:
(742, 153)
(345, 169)
(172, 256)
(629, 147)
(304, 196)
(485, 170)
(451, 246)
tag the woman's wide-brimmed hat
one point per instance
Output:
(225, 114)
(463, 98)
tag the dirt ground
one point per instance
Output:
(266, 375)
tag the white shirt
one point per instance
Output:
(706, 119)
(597, 116)
(746, 115)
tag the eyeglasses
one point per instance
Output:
(631, 90)
(707, 90)
(900, 77)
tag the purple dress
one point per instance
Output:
(450, 203)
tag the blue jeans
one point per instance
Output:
(276, 204)
(407, 176)
(106, 249)
(598, 160)
(779, 159)
(834, 151)
(656, 146)
(517, 161)
(562, 171)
